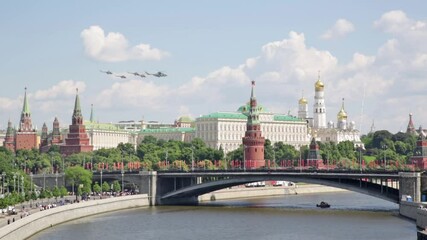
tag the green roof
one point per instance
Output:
(287, 118)
(227, 115)
(166, 130)
(101, 126)
(185, 119)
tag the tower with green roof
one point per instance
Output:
(26, 136)
(253, 141)
(77, 139)
(9, 140)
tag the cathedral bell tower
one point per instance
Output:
(319, 108)
(253, 142)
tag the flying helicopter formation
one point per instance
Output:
(137, 74)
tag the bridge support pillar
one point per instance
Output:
(410, 184)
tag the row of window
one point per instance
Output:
(242, 127)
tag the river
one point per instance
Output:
(351, 216)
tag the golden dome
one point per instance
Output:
(319, 85)
(303, 101)
(342, 115)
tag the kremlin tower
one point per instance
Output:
(253, 142)
(56, 134)
(9, 140)
(26, 136)
(77, 139)
(419, 159)
(411, 129)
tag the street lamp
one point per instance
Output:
(56, 178)
(360, 159)
(51, 160)
(225, 158)
(44, 180)
(123, 173)
(192, 158)
(18, 182)
(31, 177)
(244, 158)
(101, 180)
(22, 185)
(385, 157)
(14, 182)
(3, 174)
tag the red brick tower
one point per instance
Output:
(253, 142)
(44, 141)
(314, 159)
(419, 159)
(77, 139)
(56, 134)
(26, 136)
(9, 140)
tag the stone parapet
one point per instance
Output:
(30, 225)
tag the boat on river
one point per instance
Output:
(323, 205)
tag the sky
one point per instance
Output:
(371, 53)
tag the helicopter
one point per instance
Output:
(157, 74)
(137, 74)
(107, 72)
(121, 76)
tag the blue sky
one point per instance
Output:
(366, 50)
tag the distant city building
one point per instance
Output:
(77, 139)
(108, 135)
(328, 132)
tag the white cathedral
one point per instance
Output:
(325, 131)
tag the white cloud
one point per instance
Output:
(114, 47)
(341, 28)
(134, 93)
(63, 88)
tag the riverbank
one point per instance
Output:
(267, 191)
(36, 222)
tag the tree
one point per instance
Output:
(97, 188)
(105, 187)
(63, 191)
(116, 186)
(79, 178)
(56, 193)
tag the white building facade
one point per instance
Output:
(226, 129)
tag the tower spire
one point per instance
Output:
(77, 109)
(91, 113)
(410, 129)
(26, 107)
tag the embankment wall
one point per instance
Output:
(34, 223)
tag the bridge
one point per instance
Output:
(177, 187)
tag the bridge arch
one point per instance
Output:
(367, 188)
